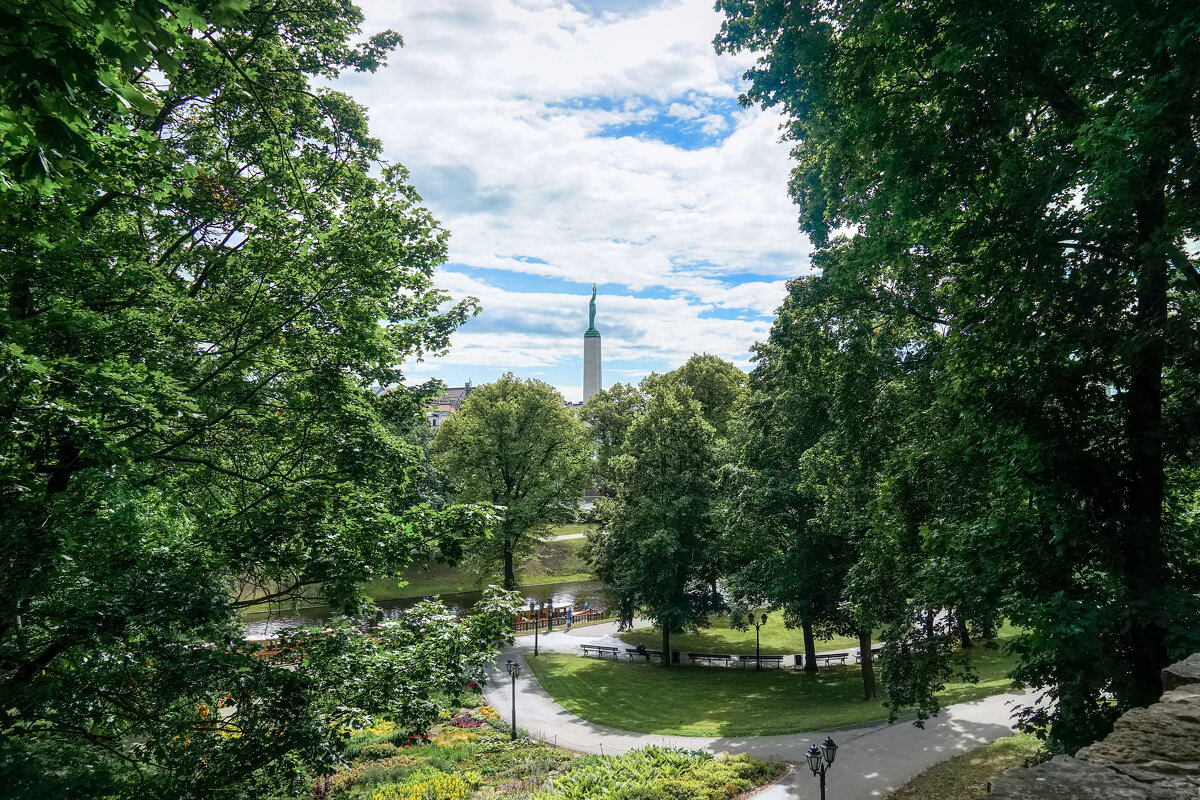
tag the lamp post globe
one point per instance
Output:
(829, 750)
(814, 759)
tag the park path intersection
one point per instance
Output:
(872, 759)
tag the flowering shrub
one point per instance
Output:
(384, 728)
(465, 721)
(449, 737)
(443, 787)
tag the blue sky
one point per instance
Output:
(563, 144)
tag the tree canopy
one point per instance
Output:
(515, 445)
(660, 552)
(1020, 177)
(204, 271)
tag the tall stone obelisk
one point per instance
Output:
(591, 353)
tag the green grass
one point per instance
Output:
(967, 775)
(551, 562)
(720, 638)
(699, 701)
(571, 528)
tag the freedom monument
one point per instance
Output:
(591, 352)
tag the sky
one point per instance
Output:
(566, 144)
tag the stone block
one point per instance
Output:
(1182, 673)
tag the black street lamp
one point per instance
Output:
(514, 669)
(533, 614)
(757, 624)
(550, 618)
(821, 760)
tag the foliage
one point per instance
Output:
(608, 414)
(442, 787)
(716, 385)
(515, 445)
(204, 269)
(403, 666)
(1014, 182)
(457, 761)
(659, 551)
(659, 773)
(653, 553)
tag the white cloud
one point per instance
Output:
(504, 111)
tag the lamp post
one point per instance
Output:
(820, 760)
(533, 613)
(757, 624)
(514, 669)
(550, 618)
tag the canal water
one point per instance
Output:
(261, 624)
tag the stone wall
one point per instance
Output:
(1152, 754)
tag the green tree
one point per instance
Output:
(1021, 175)
(716, 385)
(655, 551)
(514, 444)
(827, 392)
(609, 413)
(198, 289)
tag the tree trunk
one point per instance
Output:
(810, 647)
(1141, 539)
(868, 664)
(510, 578)
(964, 636)
(666, 647)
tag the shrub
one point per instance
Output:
(378, 751)
(442, 787)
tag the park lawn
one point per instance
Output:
(571, 528)
(720, 638)
(720, 701)
(551, 562)
(967, 775)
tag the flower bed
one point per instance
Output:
(468, 758)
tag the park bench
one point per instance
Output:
(600, 650)
(633, 651)
(768, 661)
(828, 658)
(710, 658)
(875, 651)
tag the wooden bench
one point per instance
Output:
(770, 661)
(875, 651)
(630, 652)
(600, 650)
(710, 658)
(828, 658)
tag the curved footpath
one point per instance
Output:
(872, 759)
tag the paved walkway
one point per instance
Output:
(872, 760)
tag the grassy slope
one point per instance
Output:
(551, 562)
(967, 775)
(699, 701)
(720, 638)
